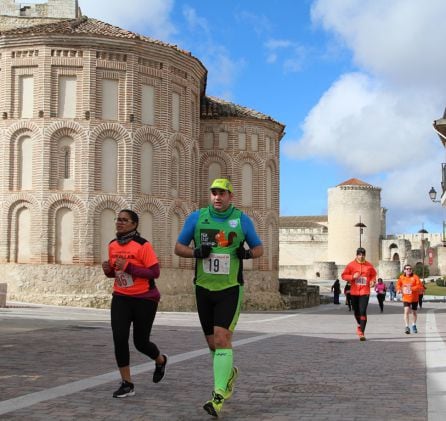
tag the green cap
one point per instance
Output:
(222, 184)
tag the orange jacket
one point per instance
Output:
(410, 287)
(361, 284)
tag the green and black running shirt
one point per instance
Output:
(225, 232)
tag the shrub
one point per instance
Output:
(418, 270)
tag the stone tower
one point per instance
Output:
(349, 203)
(23, 14)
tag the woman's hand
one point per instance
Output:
(106, 267)
(120, 263)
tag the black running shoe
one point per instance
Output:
(126, 389)
(160, 370)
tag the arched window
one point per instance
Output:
(145, 226)
(214, 172)
(269, 187)
(64, 236)
(175, 173)
(106, 234)
(246, 185)
(25, 163)
(109, 166)
(23, 236)
(66, 163)
(146, 167)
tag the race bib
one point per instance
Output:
(217, 264)
(361, 280)
(407, 289)
(123, 279)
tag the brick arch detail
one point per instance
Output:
(272, 219)
(122, 137)
(97, 205)
(208, 158)
(52, 136)
(145, 133)
(258, 173)
(182, 210)
(98, 131)
(23, 125)
(274, 165)
(73, 203)
(160, 157)
(70, 126)
(160, 223)
(13, 205)
(179, 141)
(16, 132)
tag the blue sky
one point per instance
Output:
(357, 83)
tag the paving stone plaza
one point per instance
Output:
(57, 363)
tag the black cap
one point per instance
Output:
(360, 250)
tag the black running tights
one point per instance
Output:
(124, 312)
(359, 304)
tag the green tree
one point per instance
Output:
(418, 270)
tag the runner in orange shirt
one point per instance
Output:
(134, 266)
(361, 275)
(410, 286)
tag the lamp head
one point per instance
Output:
(432, 194)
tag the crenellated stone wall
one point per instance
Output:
(16, 14)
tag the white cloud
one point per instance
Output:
(399, 40)
(150, 17)
(194, 21)
(377, 123)
(367, 127)
(259, 23)
(223, 69)
(294, 54)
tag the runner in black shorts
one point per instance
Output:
(218, 233)
(218, 308)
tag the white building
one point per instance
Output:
(318, 247)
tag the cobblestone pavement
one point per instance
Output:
(57, 363)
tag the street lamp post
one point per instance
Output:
(422, 231)
(433, 197)
(361, 226)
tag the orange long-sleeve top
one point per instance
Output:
(410, 287)
(360, 285)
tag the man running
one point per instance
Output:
(219, 232)
(361, 275)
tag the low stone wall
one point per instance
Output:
(296, 293)
(3, 291)
(86, 286)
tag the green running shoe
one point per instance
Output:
(213, 407)
(231, 382)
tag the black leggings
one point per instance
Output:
(359, 304)
(124, 311)
(381, 298)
